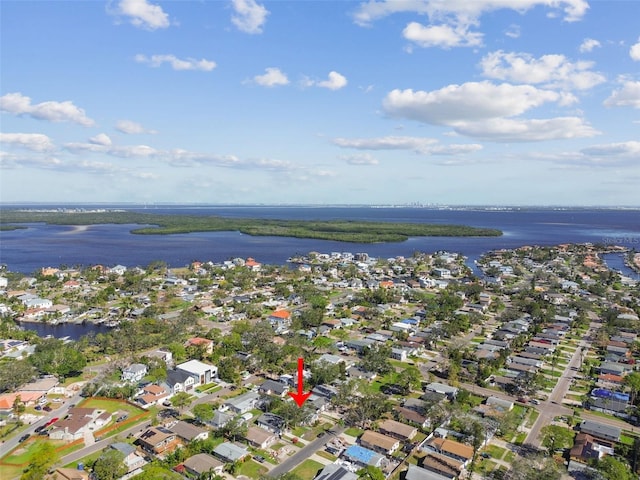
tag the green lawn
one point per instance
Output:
(354, 432)
(252, 469)
(111, 406)
(327, 455)
(308, 469)
(495, 451)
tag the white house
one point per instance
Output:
(202, 373)
(134, 372)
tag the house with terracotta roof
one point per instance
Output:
(442, 465)
(587, 448)
(251, 264)
(152, 395)
(379, 442)
(204, 343)
(280, 320)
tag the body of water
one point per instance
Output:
(39, 245)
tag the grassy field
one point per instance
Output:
(252, 469)
(308, 469)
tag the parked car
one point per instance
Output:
(51, 422)
(24, 437)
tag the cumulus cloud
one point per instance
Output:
(335, 81)
(462, 10)
(588, 45)
(627, 96)
(131, 127)
(36, 142)
(634, 51)
(444, 36)
(143, 14)
(534, 130)
(427, 146)
(176, 63)
(101, 139)
(470, 101)
(553, 71)
(273, 77)
(249, 16)
(360, 159)
(19, 104)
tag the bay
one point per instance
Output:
(26, 250)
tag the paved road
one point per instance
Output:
(304, 453)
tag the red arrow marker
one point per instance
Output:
(300, 397)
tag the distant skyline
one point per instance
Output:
(453, 102)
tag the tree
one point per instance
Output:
(612, 468)
(110, 465)
(234, 429)
(555, 437)
(376, 359)
(632, 380)
(534, 467)
(15, 373)
(370, 473)
(203, 412)
(42, 459)
(229, 369)
(180, 400)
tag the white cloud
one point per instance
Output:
(470, 101)
(463, 11)
(513, 31)
(444, 36)
(176, 63)
(622, 154)
(143, 14)
(553, 71)
(627, 96)
(629, 150)
(101, 139)
(249, 16)
(36, 142)
(130, 127)
(335, 81)
(19, 104)
(588, 45)
(10, 160)
(426, 146)
(634, 51)
(123, 151)
(271, 78)
(535, 130)
(360, 159)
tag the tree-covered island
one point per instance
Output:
(338, 230)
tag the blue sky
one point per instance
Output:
(512, 102)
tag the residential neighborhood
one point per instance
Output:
(423, 368)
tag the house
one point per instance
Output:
(68, 474)
(152, 395)
(242, 403)
(411, 416)
(204, 343)
(450, 392)
(158, 440)
(231, 452)
(379, 442)
(499, 404)
(260, 438)
(188, 432)
(202, 373)
(417, 473)
(179, 381)
(132, 460)
(271, 422)
(442, 465)
(600, 430)
(450, 448)
(271, 387)
(398, 430)
(134, 372)
(363, 456)
(220, 419)
(333, 471)
(586, 448)
(280, 320)
(202, 463)
(78, 422)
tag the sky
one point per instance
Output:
(454, 102)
